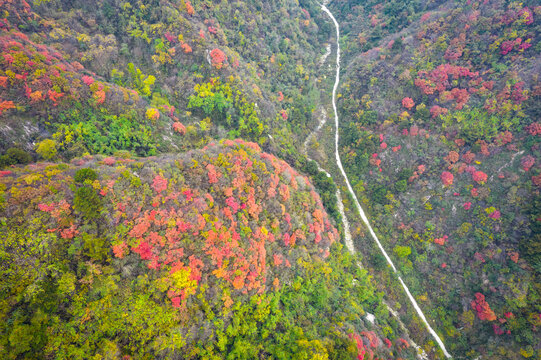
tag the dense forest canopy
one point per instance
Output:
(169, 186)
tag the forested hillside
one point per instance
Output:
(440, 138)
(219, 251)
(156, 76)
(143, 236)
(158, 197)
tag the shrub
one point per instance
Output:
(47, 149)
(20, 156)
(422, 113)
(95, 247)
(402, 251)
(85, 174)
(379, 194)
(311, 168)
(152, 114)
(369, 117)
(87, 202)
(405, 174)
(401, 185)
(5, 161)
(15, 156)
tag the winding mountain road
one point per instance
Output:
(356, 201)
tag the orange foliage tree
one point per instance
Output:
(484, 312)
(447, 178)
(6, 105)
(189, 8)
(407, 103)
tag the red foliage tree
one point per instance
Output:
(140, 229)
(468, 157)
(144, 250)
(218, 58)
(497, 330)
(99, 96)
(372, 338)
(54, 96)
(212, 174)
(536, 180)
(438, 79)
(503, 138)
(361, 350)
(179, 128)
(120, 250)
(159, 184)
(456, 48)
(496, 214)
(407, 103)
(403, 343)
(507, 46)
(441, 241)
(452, 157)
(284, 192)
(461, 97)
(436, 111)
(170, 37)
(480, 177)
(233, 204)
(483, 309)
(447, 178)
(109, 161)
(527, 162)
(518, 94)
(479, 257)
(88, 80)
(534, 129)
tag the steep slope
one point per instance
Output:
(224, 252)
(147, 77)
(360, 210)
(106, 75)
(440, 141)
